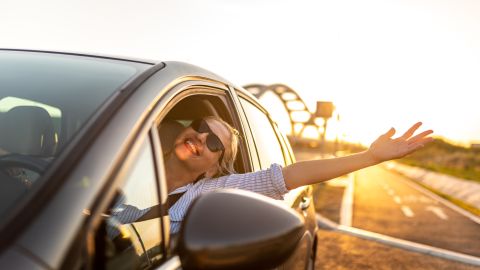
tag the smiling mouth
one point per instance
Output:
(191, 146)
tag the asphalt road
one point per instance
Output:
(386, 204)
(338, 251)
(377, 208)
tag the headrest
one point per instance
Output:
(168, 132)
(27, 130)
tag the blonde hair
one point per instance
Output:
(226, 165)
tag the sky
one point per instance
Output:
(382, 63)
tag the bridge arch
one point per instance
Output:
(292, 102)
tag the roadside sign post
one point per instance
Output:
(324, 110)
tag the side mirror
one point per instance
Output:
(235, 229)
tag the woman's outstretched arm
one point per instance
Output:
(382, 149)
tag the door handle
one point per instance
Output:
(305, 203)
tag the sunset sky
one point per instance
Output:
(383, 63)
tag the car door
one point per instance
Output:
(270, 147)
(184, 102)
(196, 99)
(121, 237)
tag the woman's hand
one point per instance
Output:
(385, 148)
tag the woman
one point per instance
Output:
(207, 149)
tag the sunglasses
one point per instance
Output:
(214, 143)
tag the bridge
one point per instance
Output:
(298, 112)
(379, 204)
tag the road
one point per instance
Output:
(383, 202)
(386, 203)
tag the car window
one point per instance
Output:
(45, 100)
(287, 149)
(197, 106)
(132, 239)
(266, 141)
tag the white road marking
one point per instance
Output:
(407, 211)
(416, 186)
(397, 200)
(437, 211)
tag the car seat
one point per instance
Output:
(168, 132)
(27, 130)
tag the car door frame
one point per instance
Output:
(300, 199)
(147, 131)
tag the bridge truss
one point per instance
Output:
(297, 110)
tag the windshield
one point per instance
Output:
(45, 99)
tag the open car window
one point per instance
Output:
(194, 107)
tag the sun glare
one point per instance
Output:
(300, 115)
(351, 121)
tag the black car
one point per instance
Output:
(82, 135)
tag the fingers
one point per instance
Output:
(418, 144)
(411, 130)
(414, 147)
(424, 141)
(389, 133)
(419, 136)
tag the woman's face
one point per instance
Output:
(191, 149)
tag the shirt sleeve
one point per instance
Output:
(269, 182)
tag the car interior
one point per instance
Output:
(29, 138)
(27, 144)
(189, 109)
(28, 130)
(183, 112)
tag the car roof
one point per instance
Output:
(182, 68)
(104, 56)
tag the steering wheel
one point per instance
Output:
(23, 161)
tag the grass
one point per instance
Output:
(443, 157)
(467, 174)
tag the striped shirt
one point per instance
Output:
(269, 182)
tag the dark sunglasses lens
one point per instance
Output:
(196, 125)
(214, 143)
